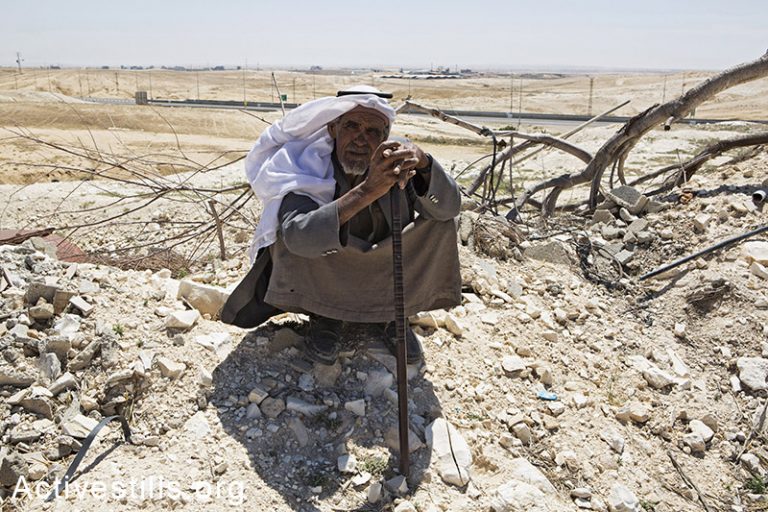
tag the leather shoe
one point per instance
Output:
(323, 340)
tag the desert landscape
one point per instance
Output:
(563, 382)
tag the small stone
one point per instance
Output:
(703, 430)
(374, 492)
(602, 216)
(512, 364)
(204, 378)
(377, 381)
(356, 407)
(581, 492)
(624, 256)
(405, 506)
(257, 395)
(13, 468)
(296, 404)
(204, 298)
(397, 485)
(253, 411)
(80, 426)
(63, 383)
(523, 433)
(392, 439)
(67, 325)
(453, 326)
(700, 222)
(81, 305)
(695, 442)
(272, 407)
(325, 374)
(622, 499)
(42, 312)
(198, 425)
(450, 452)
(299, 431)
(658, 379)
(347, 463)
(550, 336)
(753, 372)
(614, 440)
(758, 270)
(679, 330)
(182, 320)
(170, 369)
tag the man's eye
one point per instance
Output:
(374, 132)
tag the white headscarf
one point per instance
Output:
(294, 155)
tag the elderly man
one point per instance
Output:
(324, 245)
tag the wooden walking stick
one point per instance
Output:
(402, 370)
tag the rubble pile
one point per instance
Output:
(542, 391)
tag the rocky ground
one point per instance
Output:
(561, 383)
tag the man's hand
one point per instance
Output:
(393, 162)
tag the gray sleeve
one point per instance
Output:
(308, 229)
(442, 200)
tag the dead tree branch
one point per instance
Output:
(627, 137)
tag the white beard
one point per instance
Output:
(354, 167)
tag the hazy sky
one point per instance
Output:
(657, 34)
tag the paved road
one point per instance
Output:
(476, 117)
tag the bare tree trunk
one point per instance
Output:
(627, 137)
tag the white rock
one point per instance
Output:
(214, 340)
(66, 381)
(622, 499)
(699, 427)
(170, 369)
(424, 319)
(377, 381)
(700, 222)
(295, 404)
(67, 325)
(80, 426)
(679, 330)
(614, 440)
(695, 442)
(528, 490)
(205, 298)
(183, 320)
(515, 496)
(81, 305)
(405, 506)
(512, 364)
(523, 433)
(758, 270)
(197, 425)
(753, 372)
(657, 378)
(450, 452)
(678, 366)
(347, 463)
(204, 378)
(356, 407)
(374, 492)
(755, 251)
(453, 326)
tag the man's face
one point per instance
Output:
(357, 134)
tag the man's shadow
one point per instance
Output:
(295, 452)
